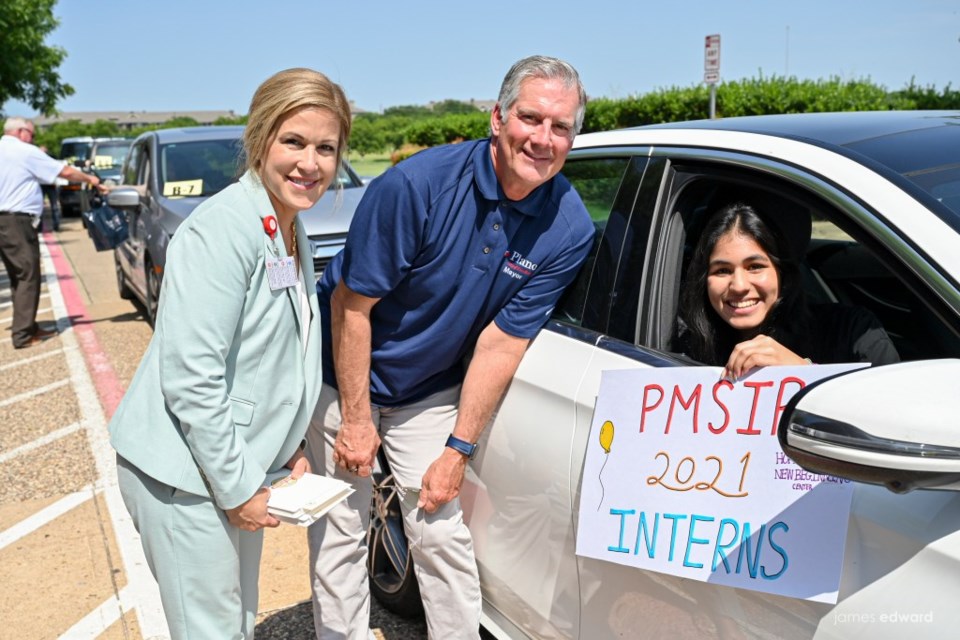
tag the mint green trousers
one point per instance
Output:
(206, 568)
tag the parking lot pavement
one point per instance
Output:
(70, 560)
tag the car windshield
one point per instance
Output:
(73, 151)
(346, 178)
(110, 155)
(197, 169)
(943, 183)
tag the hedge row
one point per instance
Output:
(754, 96)
(758, 96)
(415, 127)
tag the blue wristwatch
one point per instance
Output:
(462, 446)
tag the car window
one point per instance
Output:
(73, 151)
(143, 175)
(132, 166)
(853, 269)
(195, 169)
(110, 154)
(347, 177)
(598, 181)
(842, 263)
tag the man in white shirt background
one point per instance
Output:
(23, 168)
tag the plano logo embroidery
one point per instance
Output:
(517, 266)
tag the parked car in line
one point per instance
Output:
(167, 173)
(107, 156)
(104, 156)
(74, 198)
(76, 148)
(883, 193)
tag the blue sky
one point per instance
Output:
(212, 54)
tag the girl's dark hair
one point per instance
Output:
(703, 335)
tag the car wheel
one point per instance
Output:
(389, 564)
(122, 286)
(153, 280)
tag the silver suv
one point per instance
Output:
(207, 156)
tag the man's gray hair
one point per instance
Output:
(15, 122)
(542, 67)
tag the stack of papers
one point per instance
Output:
(305, 500)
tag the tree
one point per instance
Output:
(409, 111)
(366, 137)
(28, 67)
(445, 107)
(180, 121)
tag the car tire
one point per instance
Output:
(122, 287)
(153, 281)
(389, 563)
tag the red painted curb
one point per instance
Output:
(105, 380)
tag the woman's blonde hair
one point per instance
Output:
(282, 93)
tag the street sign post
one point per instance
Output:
(711, 68)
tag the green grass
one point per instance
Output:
(370, 165)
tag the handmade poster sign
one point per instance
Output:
(684, 475)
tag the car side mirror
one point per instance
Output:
(894, 425)
(123, 198)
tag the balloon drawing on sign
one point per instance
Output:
(606, 440)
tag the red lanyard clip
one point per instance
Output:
(270, 226)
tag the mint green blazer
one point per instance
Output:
(226, 384)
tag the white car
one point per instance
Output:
(883, 193)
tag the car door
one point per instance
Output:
(518, 494)
(902, 551)
(129, 254)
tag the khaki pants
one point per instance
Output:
(413, 436)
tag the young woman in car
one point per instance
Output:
(743, 305)
(229, 381)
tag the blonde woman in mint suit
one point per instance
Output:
(225, 391)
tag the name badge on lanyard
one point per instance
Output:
(281, 272)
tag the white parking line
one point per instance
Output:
(100, 619)
(10, 319)
(45, 516)
(26, 395)
(39, 442)
(31, 359)
(4, 305)
(141, 587)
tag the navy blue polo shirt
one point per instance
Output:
(446, 252)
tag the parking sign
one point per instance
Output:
(711, 59)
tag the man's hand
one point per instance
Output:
(357, 442)
(299, 464)
(441, 483)
(355, 448)
(252, 515)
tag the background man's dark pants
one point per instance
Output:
(20, 251)
(52, 194)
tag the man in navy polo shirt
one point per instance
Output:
(457, 255)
